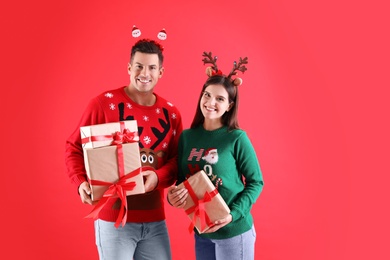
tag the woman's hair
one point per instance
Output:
(148, 46)
(229, 118)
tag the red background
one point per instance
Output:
(314, 103)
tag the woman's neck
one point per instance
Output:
(211, 125)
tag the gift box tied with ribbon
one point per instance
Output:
(114, 171)
(204, 204)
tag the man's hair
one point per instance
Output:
(148, 46)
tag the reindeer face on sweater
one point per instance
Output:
(150, 157)
(154, 137)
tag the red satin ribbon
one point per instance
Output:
(199, 208)
(96, 138)
(119, 137)
(119, 189)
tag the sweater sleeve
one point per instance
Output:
(180, 174)
(167, 174)
(74, 159)
(249, 167)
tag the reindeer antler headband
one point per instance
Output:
(213, 70)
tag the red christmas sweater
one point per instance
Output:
(159, 127)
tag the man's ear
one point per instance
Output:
(128, 68)
(161, 72)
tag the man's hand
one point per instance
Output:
(220, 223)
(177, 197)
(85, 193)
(150, 180)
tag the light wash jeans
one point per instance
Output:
(241, 247)
(146, 241)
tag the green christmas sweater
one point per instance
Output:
(230, 161)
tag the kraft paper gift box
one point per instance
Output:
(103, 169)
(204, 204)
(95, 136)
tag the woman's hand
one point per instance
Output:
(177, 197)
(220, 223)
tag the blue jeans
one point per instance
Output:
(146, 241)
(241, 247)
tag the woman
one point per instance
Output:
(215, 144)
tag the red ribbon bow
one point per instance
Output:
(219, 72)
(119, 189)
(199, 208)
(126, 136)
(119, 137)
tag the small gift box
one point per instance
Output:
(106, 166)
(204, 204)
(100, 135)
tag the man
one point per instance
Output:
(145, 234)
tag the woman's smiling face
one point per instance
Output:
(214, 102)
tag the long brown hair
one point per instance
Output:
(229, 119)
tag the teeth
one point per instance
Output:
(144, 80)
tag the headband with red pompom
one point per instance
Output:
(213, 70)
(161, 35)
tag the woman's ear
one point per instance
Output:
(230, 106)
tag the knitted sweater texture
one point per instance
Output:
(230, 161)
(159, 128)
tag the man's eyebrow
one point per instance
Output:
(150, 65)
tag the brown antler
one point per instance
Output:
(238, 66)
(166, 125)
(209, 59)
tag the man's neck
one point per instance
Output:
(141, 98)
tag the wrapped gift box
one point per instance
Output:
(102, 166)
(203, 196)
(100, 135)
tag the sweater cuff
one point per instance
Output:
(162, 181)
(236, 214)
(77, 180)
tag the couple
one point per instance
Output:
(214, 131)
